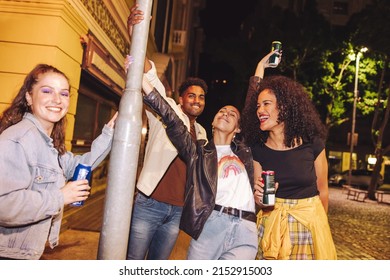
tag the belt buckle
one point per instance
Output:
(233, 211)
(228, 210)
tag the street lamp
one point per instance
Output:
(355, 97)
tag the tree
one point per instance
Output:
(372, 27)
(335, 88)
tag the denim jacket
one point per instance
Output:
(31, 176)
(202, 164)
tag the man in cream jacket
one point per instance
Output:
(161, 184)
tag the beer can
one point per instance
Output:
(275, 59)
(81, 172)
(269, 187)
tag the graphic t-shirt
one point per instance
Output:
(234, 189)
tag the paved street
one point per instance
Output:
(361, 230)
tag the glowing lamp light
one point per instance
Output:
(371, 160)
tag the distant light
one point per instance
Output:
(220, 81)
(144, 130)
(352, 56)
(371, 160)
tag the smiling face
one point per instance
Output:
(192, 101)
(49, 99)
(267, 110)
(227, 120)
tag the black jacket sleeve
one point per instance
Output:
(175, 127)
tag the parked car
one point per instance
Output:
(336, 178)
(360, 178)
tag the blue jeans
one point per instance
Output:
(154, 229)
(225, 237)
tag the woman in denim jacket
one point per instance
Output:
(35, 166)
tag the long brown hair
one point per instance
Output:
(19, 106)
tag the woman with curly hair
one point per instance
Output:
(286, 135)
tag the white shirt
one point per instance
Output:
(234, 189)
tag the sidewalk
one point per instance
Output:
(361, 230)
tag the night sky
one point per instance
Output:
(220, 19)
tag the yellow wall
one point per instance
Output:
(39, 32)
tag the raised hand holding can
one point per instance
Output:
(275, 58)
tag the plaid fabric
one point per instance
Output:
(301, 241)
(300, 236)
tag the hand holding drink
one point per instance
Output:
(269, 187)
(275, 58)
(81, 172)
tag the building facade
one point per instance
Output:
(88, 41)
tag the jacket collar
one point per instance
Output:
(234, 145)
(33, 119)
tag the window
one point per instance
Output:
(91, 116)
(85, 119)
(161, 25)
(95, 106)
(94, 109)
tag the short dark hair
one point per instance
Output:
(192, 81)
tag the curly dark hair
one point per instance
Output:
(19, 106)
(296, 110)
(192, 81)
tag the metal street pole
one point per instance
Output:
(124, 153)
(355, 97)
